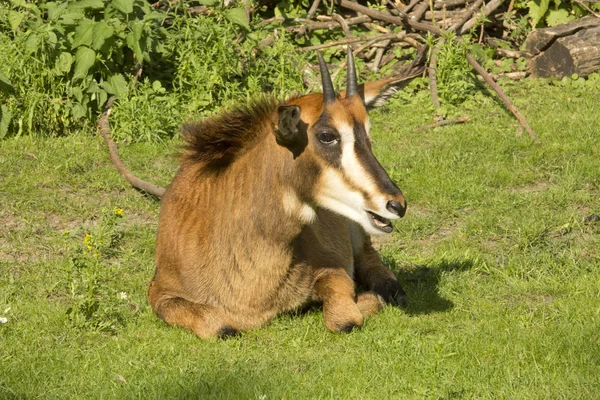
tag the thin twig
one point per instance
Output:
(457, 26)
(432, 72)
(340, 20)
(379, 55)
(487, 10)
(313, 9)
(372, 39)
(443, 122)
(582, 4)
(509, 104)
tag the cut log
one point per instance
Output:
(566, 49)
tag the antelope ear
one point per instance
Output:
(376, 94)
(290, 131)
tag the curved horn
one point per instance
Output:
(328, 91)
(351, 85)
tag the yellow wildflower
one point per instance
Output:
(118, 211)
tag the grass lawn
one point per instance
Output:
(499, 253)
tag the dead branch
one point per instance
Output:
(509, 104)
(582, 4)
(487, 10)
(443, 122)
(432, 72)
(370, 39)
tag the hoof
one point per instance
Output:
(349, 327)
(227, 331)
(391, 292)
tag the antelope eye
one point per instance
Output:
(327, 138)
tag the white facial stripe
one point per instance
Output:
(368, 127)
(341, 199)
(351, 166)
(354, 171)
(296, 208)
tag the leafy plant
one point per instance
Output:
(93, 304)
(542, 13)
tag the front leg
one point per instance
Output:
(373, 276)
(335, 288)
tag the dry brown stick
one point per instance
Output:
(487, 10)
(448, 4)
(104, 130)
(432, 72)
(409, 6)
(392, 36)
(340, 20)
(595, 14)
(443, 122)
(313, 9)
(419, 11)
(391, 19)
(457, 26)
(379, 55)
(509, 104)
(314, 25)
(421, 26)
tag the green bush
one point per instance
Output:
(60, 63)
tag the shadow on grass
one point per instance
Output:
(421, 284)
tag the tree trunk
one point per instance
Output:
(566, 49)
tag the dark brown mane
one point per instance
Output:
(217, 141)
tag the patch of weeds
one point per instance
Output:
(94, 303)
(455, 75)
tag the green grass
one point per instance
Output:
(501, 267)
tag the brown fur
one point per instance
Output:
(235, 248)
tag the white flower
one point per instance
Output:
(6, 310)
(3, 320)
(123, 295)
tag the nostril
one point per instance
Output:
(396, 208)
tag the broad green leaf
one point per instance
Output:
(557, 17)
(15, 18)
(78, 111)
(537, 10)
(238, 16)
(101, 32)
(64, 62)
(32, 43)
(70, 18)
(102, 97)
(77, 93)
(93, 4)
(125, 6)
(5, 84)
(210, 2)
(84, 33)
(133, 40)
(119, 85)
(108, 87)
(92, 87)
(51, 40)
(84, 60)
(4, 121)
(56, 11)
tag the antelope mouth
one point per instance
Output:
(383, 224)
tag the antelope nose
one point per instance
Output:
(396, 207)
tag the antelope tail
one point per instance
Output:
(104, 130)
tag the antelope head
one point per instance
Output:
(334, 132)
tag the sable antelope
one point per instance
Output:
(272, 208)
